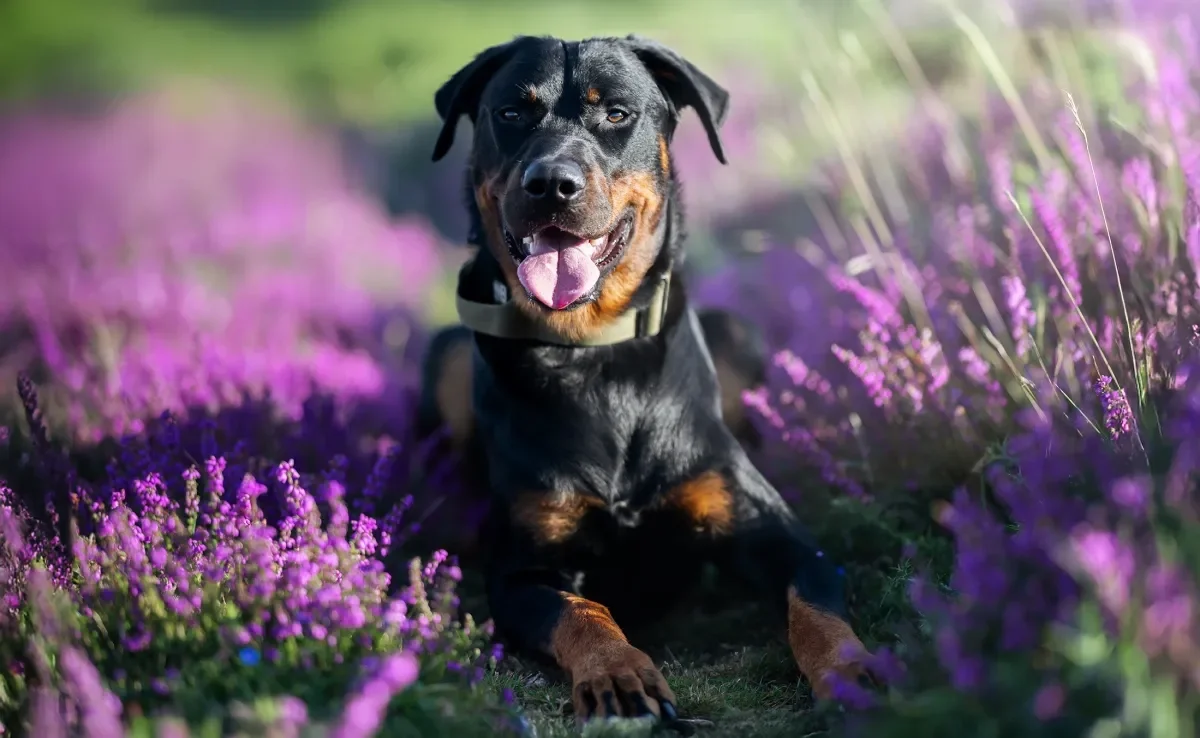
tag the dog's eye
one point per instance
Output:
(508, 115)
(616, 115)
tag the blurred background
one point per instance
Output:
(169, 165)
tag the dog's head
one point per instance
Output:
(570, 167)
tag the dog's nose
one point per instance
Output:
(560, 180)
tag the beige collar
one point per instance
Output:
(505, 320)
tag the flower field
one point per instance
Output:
(984, 394)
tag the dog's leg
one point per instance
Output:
(739, 354)
(445, 407)
(539, 611)
(445, 401)
(769, 550)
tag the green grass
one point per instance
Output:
(729, 669)
(371, 61)
(379, 61)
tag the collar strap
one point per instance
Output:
(506, 320)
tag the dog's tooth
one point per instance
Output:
(527, 240)
(599, 241)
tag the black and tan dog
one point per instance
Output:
(586, 389)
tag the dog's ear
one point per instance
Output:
(460, 94)
(685, 85)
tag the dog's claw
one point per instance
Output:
(668, 711)
(643, 709)
(623, 683)
(610, 704)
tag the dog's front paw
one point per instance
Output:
(827, 651)
(621, 681)
(847, 667)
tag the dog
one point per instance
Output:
(599, 409)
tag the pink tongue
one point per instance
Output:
(559, 269)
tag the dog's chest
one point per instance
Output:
(618, 552)
(586, 525)
(592, 430)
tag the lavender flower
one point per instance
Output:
(365, 710)
(1118, 416)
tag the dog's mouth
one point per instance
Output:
(558, 267)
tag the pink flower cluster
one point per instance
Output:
(188, 249)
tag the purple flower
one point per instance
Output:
(1049, 701)
(101, 709)
(255, 273)
(260, 580)
(1118, 416)
(1108, 562)
(365, 710)
(1132, 493)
